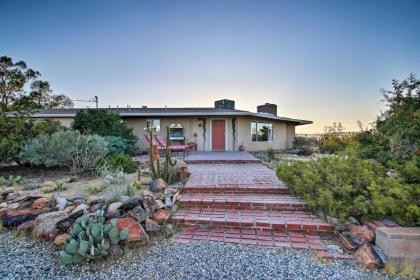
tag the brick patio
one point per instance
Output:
(220, 157)
(244, 202)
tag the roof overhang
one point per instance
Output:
(179, 114)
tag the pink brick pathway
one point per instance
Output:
(233, 178)
(246, 203)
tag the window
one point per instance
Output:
(155, 124)
(261, 132)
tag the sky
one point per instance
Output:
(323, 61)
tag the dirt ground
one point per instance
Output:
(47, 178)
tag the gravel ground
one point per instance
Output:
(24, 258)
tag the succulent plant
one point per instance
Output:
(91, 238)
(10, 180)
(32, 185)
(168, 171)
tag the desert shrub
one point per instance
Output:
(332, 144)
(129, 190)
(372, 145)
(103, 123)
(68, 149)
(10, 180)
(15, 131)
(271, 154)
(305, 146)
(118, 145)
(111, 175)
(45, 127)
(343, 186)
(124, 161)
(59, 187)
(96, 189)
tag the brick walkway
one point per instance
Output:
(246, 203)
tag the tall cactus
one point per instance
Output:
(151, 160)
(169, 165)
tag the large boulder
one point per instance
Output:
(135, 230)
(113, 207)
(347, 241)
(65, 224)
(139, 214)
(130, 203)
(159, 204)
(81, 207)
(45, 224)
(25, 228)
(60, 203)
(366, 257)
(40, 203)
(152, 225)
(161, 216)
(361, 234)
(14, 218)
(149, 204)
(161, 184)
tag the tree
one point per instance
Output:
(14, 78)
(104, 123)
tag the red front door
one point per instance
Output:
(218, 134)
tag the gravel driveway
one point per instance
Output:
(24, 258)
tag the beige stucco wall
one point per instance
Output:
(63, 121)
(280, 133)
(283, 133)
(290, 135)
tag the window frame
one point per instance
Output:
(258, 124)
(152, 121)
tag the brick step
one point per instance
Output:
(235, 189)
(253, 219)
(243, 201)
(223, 161)
(275, 239)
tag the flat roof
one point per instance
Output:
(165, 112)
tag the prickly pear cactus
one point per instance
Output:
(90, 238)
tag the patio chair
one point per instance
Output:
(173, 148)
(160, 148)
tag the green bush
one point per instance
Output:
(305, 146)
(344, 186)
(124, 161)
(40, 127)
(68, 149)
(119, 145)
(103, 123)
(15, 131)
(10, 180)
(332, 144)
(271, 154)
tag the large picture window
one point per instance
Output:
(155, 124)
(261, 131)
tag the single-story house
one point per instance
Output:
(219, 128)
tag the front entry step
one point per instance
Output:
(243, 201)
(296, 221)
(235, 189)
(273, 239)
